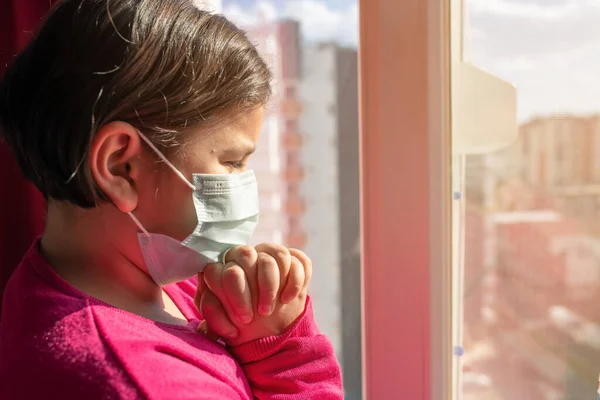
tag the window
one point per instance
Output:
(290, 34)
(293, 191)
(291, 126)
(560, 154)
(290, 92)
(405, 165)
(527, 316)
(293, 160)
(293, 225)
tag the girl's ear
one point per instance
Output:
(115, 163)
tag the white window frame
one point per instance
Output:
(404, 72)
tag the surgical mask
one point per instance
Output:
(227, 213)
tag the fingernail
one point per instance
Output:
(245, 319)
(231, 335)
(265, 310)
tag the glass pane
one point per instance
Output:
(307, 158)
(530, 210)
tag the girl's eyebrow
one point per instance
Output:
(247, 150)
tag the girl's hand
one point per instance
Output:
(260, 292)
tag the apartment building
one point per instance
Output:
(329, 124)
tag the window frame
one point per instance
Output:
(405, 150)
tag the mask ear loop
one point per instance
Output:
(164, 159)
(139, 224)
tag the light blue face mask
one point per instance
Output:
(227, 213)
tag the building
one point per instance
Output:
(560, 151)
(529, 293)
(562, 157)
(307, 168)
(277, 161)
(329, 125)
(554, 164)
(548, 278)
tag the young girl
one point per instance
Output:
(136, 118)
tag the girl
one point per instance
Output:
(136, 119)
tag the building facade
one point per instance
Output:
(307, 169)
(329, 92)
(277, 161)
(561, 157)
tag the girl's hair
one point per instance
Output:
(159, 65)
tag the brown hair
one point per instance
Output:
(160, 65)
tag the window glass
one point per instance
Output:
(309, 188)
(529, 211)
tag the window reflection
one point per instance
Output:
(532, 220)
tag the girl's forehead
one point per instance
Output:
(240, 133)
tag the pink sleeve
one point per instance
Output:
(299, 364)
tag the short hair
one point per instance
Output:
(159, 65)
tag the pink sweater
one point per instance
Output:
(58, 343)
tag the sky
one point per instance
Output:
(549, 49)
(321, 20)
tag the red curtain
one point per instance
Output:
(22, 207)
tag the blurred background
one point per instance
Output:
(307, 157)
(531, 221)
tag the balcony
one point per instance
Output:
(294, 206)
(296, 240)
(291, 140)
(292, 174)
(290, 108)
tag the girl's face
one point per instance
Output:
(165, 202)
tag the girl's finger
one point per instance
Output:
(213, 277)
(281, 254)
(216, 317)
(268, 284)
(199, 290)
(295, 281)
(237, 293)
(227, 293)
(204, 329)
(244, 256)
(306, 263)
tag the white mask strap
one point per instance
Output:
(139, 224)
(164, 159)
